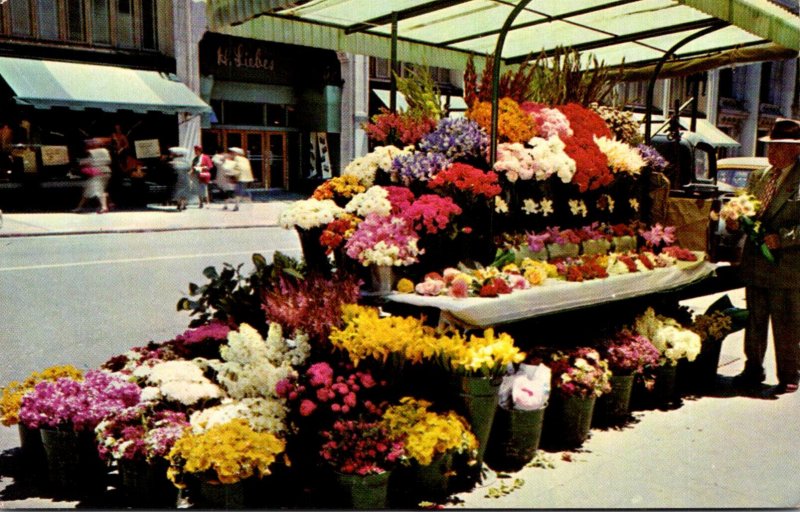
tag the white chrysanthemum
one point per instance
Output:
(621, 156)
(548, 157)
(374, 200)
(190, 392)
(263, 415)
(365, 167)
(309, 213)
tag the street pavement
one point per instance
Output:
(725, 449)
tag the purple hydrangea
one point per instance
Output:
(456, 138)
(418, 166)
(653, 158)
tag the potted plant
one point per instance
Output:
(215, 464)
(579, 376)
(628, 355)
(139, 439)
(362, 453)
(67, 411)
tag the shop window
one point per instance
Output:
(124, 23)
(20, 18)
(291, 116)
(241, 113)
(100, 22)
(149, 34)
(75, 28)
(276, 115)
(47, 18)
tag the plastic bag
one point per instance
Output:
(528, 389)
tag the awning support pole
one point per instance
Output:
(652, 85)
(394, 66)
(498, 53)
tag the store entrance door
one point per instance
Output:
(266, 151)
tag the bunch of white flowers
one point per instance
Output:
(621, 157)
(742, 205)
(673, 341)
(374, 200)
(181, 381)
(263, 415)
(365, 167)
(550, 158)
(280, 349)
(309, 213)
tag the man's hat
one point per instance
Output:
(784, 131)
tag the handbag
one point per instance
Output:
(204, 177)
(91, 171)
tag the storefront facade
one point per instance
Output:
(281, 103)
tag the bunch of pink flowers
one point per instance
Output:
(431, 213)
(384, 241)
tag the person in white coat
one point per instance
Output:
(242, 173)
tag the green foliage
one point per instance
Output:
(504, 488)
(421, 92)
(562, 81)
(230, 296)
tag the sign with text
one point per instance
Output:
(55, 155)
(148, 148)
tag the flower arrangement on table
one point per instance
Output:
(77, 405)
(629, 353)
(224, 454)
(742, 211)
(361, 447)
(580, 372)
(672, 340)
(428, 435)
(309, 214)
(384, 240)
(486, 356)
(14, 391)
(139, 434)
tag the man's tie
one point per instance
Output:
(768, 192)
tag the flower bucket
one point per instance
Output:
(408, 485)
(665, 391)
(227, 496)
(479, 399)
(592, 247)
(614, 406)
(568, 420)
(624, 243)
(73, 465)
(313, 252)
(514, 439)
(146, 484)
(32, 456)
(701, 374)
(382, 279)
(563, 250)
(364, 491)
(524, 252)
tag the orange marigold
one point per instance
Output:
(513, 123)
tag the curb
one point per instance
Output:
(132, 230)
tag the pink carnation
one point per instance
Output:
(307, 407)
(459, 289)
(430, 287)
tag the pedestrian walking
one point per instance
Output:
(97, 169)
(184, 185)
(201, 167)
(772, 290)
(224, 165)
(244, 175)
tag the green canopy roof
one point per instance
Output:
(445, 32)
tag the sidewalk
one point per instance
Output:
(154, 218)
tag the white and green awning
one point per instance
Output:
(445, 32)
(46, 84)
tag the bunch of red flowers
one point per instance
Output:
(431, 213)
(390, 127)
(592, 169)
(466, 179)
(584, 270)
(400, 198)
(361, 447)
(493, 287)
(337, 231)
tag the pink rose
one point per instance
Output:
(430, 287)
(449, 274)
(307, 407)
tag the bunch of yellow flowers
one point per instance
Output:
(367, 335)
(428, 434)
(339, 187)
(536, 272)
(513, 123)
(226, 453)
(485, 356)
(12, 394)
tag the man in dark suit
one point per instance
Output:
(772, 290)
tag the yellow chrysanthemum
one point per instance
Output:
(12, 394)
(405, 286)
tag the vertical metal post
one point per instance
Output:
(498, 54)
(652, 85)
(395, 68)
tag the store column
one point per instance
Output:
(355, 106)
(752, 99)
(190, 24)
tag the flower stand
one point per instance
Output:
(568, 420)
(74, 467)
(146, 484)
(614, 406)
(364, 491)
(408, 485)
(32, 456)
(313, 252)
(514, 439)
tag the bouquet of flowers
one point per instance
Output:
(340, 189)
(592, 169)
(427, 435)
(224, 454)
(431, 213)
(361, 447)
(465, 183)
(629, 353)
(374, 201)
(366, 167)
(12, 393)
(550, 121)
(580, 372)
(263, 414)
(622, 158)
(480, 356)
(743, 209)
(136, 433)
(513, 123)
(652, 158)
(404, 127)
(309, 214)
(69, 404)
(180, 382)
(672, 340)
(417, 166)
(338, 231)
(658, 236)
(456, 138)
(383, 241)
(201, 341)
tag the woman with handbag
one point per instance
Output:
(97, 169)
(201, 166)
